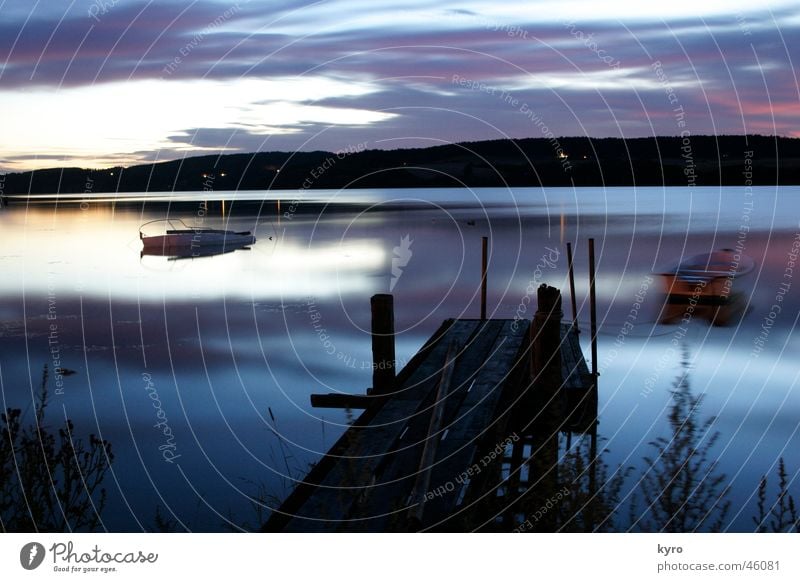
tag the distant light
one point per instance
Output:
(563, 155)
(223, 174)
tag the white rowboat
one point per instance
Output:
(192, 237)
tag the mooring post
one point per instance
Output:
(593, 309)
(590, 517)
(593, 323)
(572, 288)
(484, 269)
(546, 337)
(545, 406)
(383, 355)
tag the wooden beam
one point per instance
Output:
(593, 308)
(572, 287)
(428, 457)
(383, 354)
(484, 274)
(338, 400)
(546, 339)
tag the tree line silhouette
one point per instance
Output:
(700, 160)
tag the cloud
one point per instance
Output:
(142, 115)
(590, 73)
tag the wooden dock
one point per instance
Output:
(451, 441)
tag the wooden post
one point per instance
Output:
(546, 330)
(545, 406)
(338, 400)
(572, 288)
(514, 476)
(484, 269)
(383, 355)
(593, 441)
(590, 518)
(593, 309)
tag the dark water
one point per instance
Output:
(205, 347)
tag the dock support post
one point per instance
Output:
(546, 403)
(593, 308)
(593, 436)
(572, 288)
(546, 330)
(484, 272)
(383, 354)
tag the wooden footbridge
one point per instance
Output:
(464, 437)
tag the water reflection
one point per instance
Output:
(97, 252)
(179, 253)
(226, 337)
(722, 312)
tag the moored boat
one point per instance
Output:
(177, 235)
(702, 286)
(708, 276)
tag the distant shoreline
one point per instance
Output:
(734, 160)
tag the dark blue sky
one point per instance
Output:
(102, 83)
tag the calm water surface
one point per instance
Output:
(223, 341)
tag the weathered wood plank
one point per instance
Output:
(285, 513)
(399, 473)
(574, 368)
(353, 478)
(371, 472)
(335, 400)
(476, 424)
(434, 429)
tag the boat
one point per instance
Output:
(706, 275)
(178, 239)
(705, 283)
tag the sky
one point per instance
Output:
(104, 83)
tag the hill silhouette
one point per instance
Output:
(699, 160)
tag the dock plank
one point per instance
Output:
(353, 478)
(402, 466)
(371, 472)
(476, 424)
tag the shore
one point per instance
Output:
(533, 162)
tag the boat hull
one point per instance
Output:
(701, 286)
(199, 239)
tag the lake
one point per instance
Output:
(199, 370)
